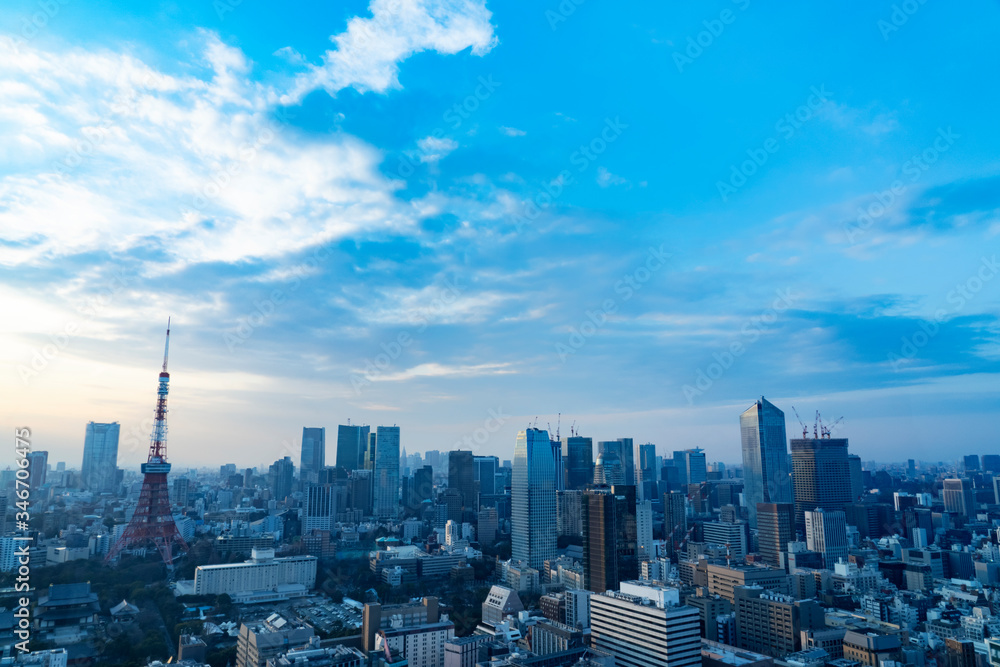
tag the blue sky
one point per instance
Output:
(415, 212)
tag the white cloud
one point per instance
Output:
(368, 53)
(111, 154)
(433, 149)
(606, 179)
(512, 131)
(434, 370)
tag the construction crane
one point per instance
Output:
(558, 423)
(829, 429)
(805, 429)
(817, 425)
(572, 428)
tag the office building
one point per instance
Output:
(644, 625)
(313, 454)
(710, 608)
(485, 470)
(871, 648)
(821, 475)
(320, 508)
(99, 473)
(766, 475)
(462, 476)
(569, 512)
(375, 617)
(691, 466)
(419, 645)
(775, 529)
(463, 651)
(610, 551)
(609, 470)
(971, 462)
(263, 578)
(648, 474)
(991, 463)
(675, 524)
(260, 642)
(38, 468)
(826, 533)
(500, 603)
(578, 462)
(386, 472)
(723, 580)
(731, 535)
(533, 499)
(959, 498)
(548, 637)
(352, 446)
(771, 623)
(280, 475)
(644, 530)
(857, 477)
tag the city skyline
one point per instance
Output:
(445, 249)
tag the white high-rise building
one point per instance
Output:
(644, 530)
(99, 472)
(387, 472)
(644, 625)
(826, 533)
(321, 508)
(533, 499)
(262, 578)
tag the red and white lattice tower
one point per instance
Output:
(153, 521)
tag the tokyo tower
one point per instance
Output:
(153, 521)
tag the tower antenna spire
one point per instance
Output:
(166, 347)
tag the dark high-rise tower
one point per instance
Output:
(675, 524)
(462, 476)
(99, 472)
(313, 457)
(352, 445)
(766, 477)
(822, 476)
(152, 520)
(578, 461)
(610, 549)
(775, 529)
(647, 472)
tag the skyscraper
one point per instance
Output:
(38, 468)
(826, 533)
(775, 529)
(533, 499)
(644, 530)
(857, 477)
(692, 465)
(675, 523)
(485, 468)
(313, 457)
(578, 461)
(280, 476)
(352, 444)
(386, 472)
(972, 462)
(462, 476)
(959, 497)
(610, 549)
(821, 473)
(623, 449)
(609, 468)
(647, 472)
(320, 508)
(766, 477)
(99, 472)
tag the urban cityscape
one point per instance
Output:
(468, 333)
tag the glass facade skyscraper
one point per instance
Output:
(386, 472)
(578, 460)
(822, 475)
(766, 474)
(352, 443)
(313, 455)
(533, 499)
(99, 472)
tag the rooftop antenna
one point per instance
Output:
(805, 429)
